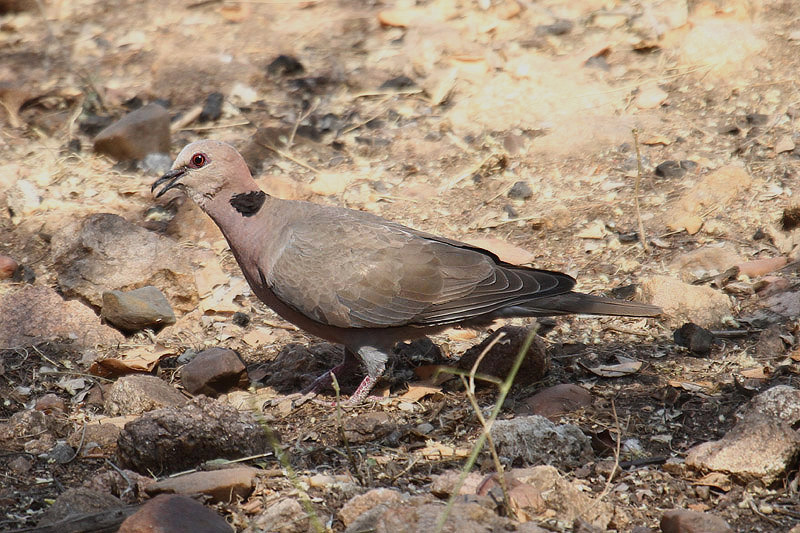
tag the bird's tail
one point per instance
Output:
(584, 304)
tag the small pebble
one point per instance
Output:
(212, 109)
(521, 190)
(240, 319)
(284, 65)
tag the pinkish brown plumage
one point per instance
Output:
(356, 279)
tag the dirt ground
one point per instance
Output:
(494, 93)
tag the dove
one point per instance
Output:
(353, 278)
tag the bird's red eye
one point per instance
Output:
(198, 160)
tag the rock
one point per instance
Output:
(17, 6)
(7, 266)
(33, 314)
(499, 360)
(686, 521)
(212, 109)
(421, 513)
(760, 267)
(567, 500)
(674, 169)
(683, 302)
(32, 431)
(698, 340)
(155, 163)
(95, 440)
(284, 516)
(20, 465)
(651, 96)
(50, 403)
(723, 45)
(296, 366)
(137, 394)
(24, 274)
(78, 501)
(362, 503)
(178, 438)
(169, 513)
(284, 65)
(521, 190)
(555, 401)
(88, 257)
(140, 132)
(23, 198)
(132, 311)
(368, 427)
(535, 440)
(443, 485)
(225, 485)
(61, 453)
(712, 192)
(762, 444)
(214, 371)
(705, 261)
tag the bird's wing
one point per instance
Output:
(364, 272)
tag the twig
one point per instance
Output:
(504, 387)
(642, 236)
(342, 434)
(607, 488)
(297, 122)
(290, 158)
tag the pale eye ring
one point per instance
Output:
(198, 160)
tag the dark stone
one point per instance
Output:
(212, 109)
(400, 82)
(24, 274)
(179, 438)
(240, 319)
(284, 65)
(628, 237)
(521, 190)
(674, 169)
(756, 119)
(759, 234)
(510, 211)
(135, 135)
(310, 84)
(138, 309)
(500, 358)
(248, 204)
(174, 513)
(78, 501)
(697, 339)
(559, 27)
(74, 146)
(214, 371)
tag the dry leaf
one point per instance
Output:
(258, 337)
(699, 386)
(625, 367)
(505, 251)
(137, 359)
(657, 139)
(209, 277)
(761, 372)
(715, 479)
(437, 450)
(417, 391)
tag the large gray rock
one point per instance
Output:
(140, 132)
(105, 252)
(32, 314)
(535, 440)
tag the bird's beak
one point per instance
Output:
(171, 178)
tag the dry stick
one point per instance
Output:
(607, 488)
(635, 132)
(290, 158)
(504, 387)
(340, 428)
(470, 388)
(297, 122)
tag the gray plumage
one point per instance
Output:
(356, 279)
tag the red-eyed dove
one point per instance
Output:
(359, 280)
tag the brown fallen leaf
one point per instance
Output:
(761, 372)
(417, 391)
(258, 337)
(437, 450)
(137, 359)
(504, 250)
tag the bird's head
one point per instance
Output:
(204, 169)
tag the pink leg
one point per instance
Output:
(350, 364)
(362, 391)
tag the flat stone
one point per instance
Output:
(225, 485)
(140, 132)
(683, 302)
(443, 485)
(555, 401)
(32, 314)
(137, 394)
(95, 440)
(762, 444)
(178, 438)
(105, 252)
(368, 427)
(686, 521)
(78, 501)
(284, 516)
(214, 371)
(535, 440)
(173, 513)
(138, 309)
